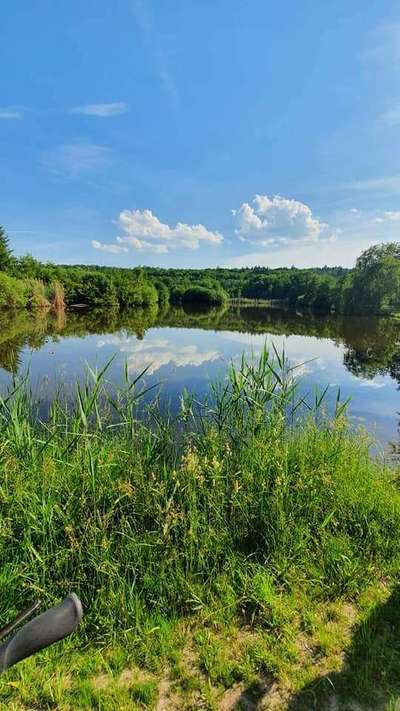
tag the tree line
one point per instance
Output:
(372, 287)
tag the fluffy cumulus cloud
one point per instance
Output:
(350, 232)
(144, 232)
(277, 221)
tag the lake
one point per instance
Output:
(184, 348)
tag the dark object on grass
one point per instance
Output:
(49, 627)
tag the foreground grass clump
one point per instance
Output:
(234, 544)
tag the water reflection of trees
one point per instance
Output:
(18, 331)
(372, 346)
(33, 331)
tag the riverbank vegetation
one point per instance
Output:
(372, 288)
(245, 549)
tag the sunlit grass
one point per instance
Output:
(233, 545)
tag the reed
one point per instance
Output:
(37, 295)
(229, 506)
(57, 297)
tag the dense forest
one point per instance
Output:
(372, 287)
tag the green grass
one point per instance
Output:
(237, 545)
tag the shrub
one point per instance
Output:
(204, 295)
(92, 289)
(163, 292)
(12, 292)
(133, 294)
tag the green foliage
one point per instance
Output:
(93, 286)
(92, 289)
(374, 286)
(316, 288)
(12, 292)
(376, 254)
(145, 693)
(134, 289)
(5, 251)
(27, 267)
(213, 295)
(162, 291)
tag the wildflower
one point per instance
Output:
(216, 464)
(126, 488)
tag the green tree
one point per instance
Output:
(375, 255)
(205, 294)
(5, 251)
(374, 287)
(93, 289)
(27, 267)
(12, 292)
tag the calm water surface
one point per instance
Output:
(184, 349)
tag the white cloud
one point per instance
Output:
(388, 216)
(144, 232)
(372, 384)
(392, 117)
(277, 221)
(354, 231)
(12, 112)
(392, 215)
(112, 248)
(75, 159)
(387, 184)
(102, 110)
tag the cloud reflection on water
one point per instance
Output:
(153, 353)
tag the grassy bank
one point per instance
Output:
(233, 554)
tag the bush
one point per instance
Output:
(133, 289)
(205, 295)
(13, 292)
(163, 292)
(92, 289)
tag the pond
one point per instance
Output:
(186, 349)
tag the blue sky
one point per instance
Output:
(188, 133)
